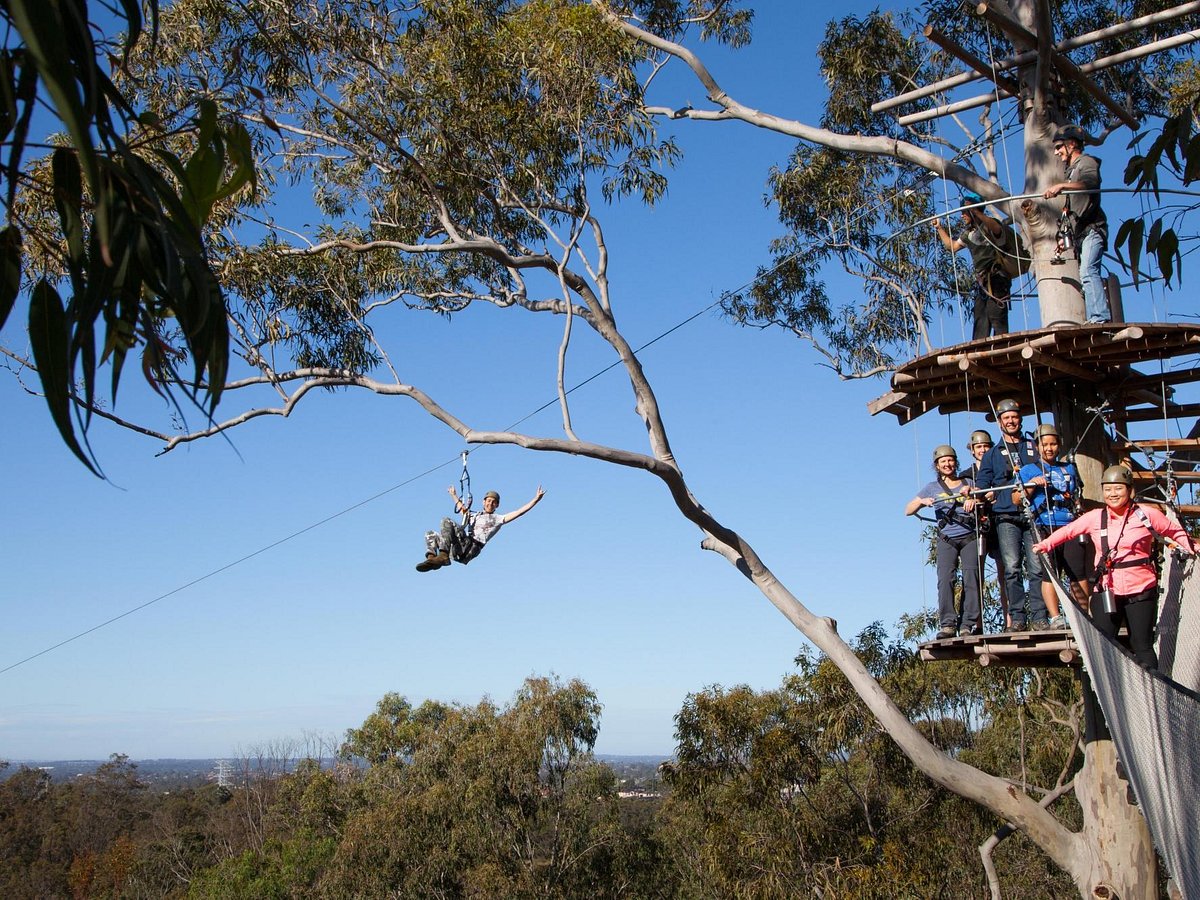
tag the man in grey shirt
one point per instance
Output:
(1091, 225)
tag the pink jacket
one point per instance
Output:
(1128, 538)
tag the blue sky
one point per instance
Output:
(603, 581)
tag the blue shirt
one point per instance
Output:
(952, 521)
(1052, 507)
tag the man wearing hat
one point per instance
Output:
(1010, 526)
(984, 237)
(1090, 223)
(463, 542)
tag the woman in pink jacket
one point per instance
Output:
(1122, 534)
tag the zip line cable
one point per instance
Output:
(386, 491)
(229, 565)
(724, 295)
(129, 612)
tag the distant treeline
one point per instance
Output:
(793, 792)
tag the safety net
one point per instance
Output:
(1154, 717)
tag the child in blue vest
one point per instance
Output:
(1053, 490)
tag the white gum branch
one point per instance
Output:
(731, 109)
(966, 781)
(567, 249)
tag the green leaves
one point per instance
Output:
(132, 239)
(1176, 149)
(10, 270)
(49, 337)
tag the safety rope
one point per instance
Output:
(464, 491)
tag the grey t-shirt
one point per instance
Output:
(1086, 170)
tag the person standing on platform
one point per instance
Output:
(1126, 581)
(1090, 232)
(984, 237)
(979, 444)
(1010, 525)
(1053, 489)
(953, 509)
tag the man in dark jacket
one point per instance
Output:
(1010, 526)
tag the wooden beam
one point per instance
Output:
(1174, 411)
(1018, 32)
(950, 109)
(1064, 45)
(1150, 476)
(1160, 444)
(1032, 354)
(955, 49)
(1140, 380)
(1150, 49)
(950, 359)
(1130, 333)
(994, 376)
(879, 404)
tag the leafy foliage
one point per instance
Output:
(799, 791)
(129, 222)
(792, 791)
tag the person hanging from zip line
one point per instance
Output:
(1053, 487)
(462, 542)
(953, 508)
(979, 444)
(984, 237)
(1010, 524)
(1085, 221)
(1125, 581)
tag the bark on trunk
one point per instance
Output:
(1114, 831)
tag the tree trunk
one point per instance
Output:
(1114, 831)
(1069, 401)
(1060, 293)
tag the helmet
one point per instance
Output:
(979, 437)
(971, 196)
(943, 450)
(493, 495)
(1071, 133)
(1117, 475)
(1043, 430)
(1007, 406)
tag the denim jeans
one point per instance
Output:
(1095, 300)
(1016, 550)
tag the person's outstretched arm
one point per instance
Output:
(517, 513)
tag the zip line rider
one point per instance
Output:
(463, 542)
(1010, 525)
(957, 544)
(1053, 490)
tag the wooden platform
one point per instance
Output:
(1044, 649)
(964, 376)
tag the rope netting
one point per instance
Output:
(1154, 717)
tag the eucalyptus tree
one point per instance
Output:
(459, 154)
(857, 180)
(107, 211)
